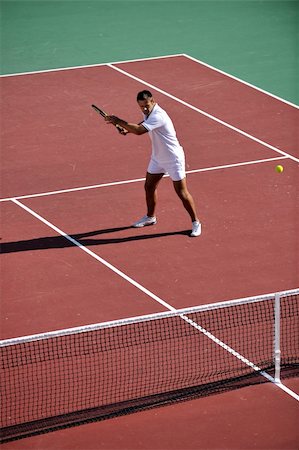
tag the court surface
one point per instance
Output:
(66, 174)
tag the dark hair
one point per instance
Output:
(144, 95)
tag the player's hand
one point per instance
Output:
(112, 119)
(122, 131)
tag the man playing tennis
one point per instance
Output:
(167, 157)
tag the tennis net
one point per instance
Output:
(72, 376)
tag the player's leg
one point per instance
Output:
(188, 202)
(186, 198)
(150, 186)
(178, 176)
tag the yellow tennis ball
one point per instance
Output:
(279, 169)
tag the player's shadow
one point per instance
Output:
(84, 239)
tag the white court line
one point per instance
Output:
(198, 61)
(245, 163)
(286, 155)
(93, 255)
(136, 180)
(86, 66)
(156, 298)
(240, 357)
(60, 69)
(204, 113)
(287, 390)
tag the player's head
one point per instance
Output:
(145, 101)
(144, 95)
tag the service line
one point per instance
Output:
(137, 180)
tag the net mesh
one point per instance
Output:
(126, 366)
(289, 332)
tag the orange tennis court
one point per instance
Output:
(72, 187)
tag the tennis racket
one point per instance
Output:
(104, 114)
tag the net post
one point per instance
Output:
(277, 352)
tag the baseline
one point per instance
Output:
(204, 113)
(153, 58)
(17, 74)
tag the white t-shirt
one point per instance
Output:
(165, 145)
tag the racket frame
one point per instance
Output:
(104, 114)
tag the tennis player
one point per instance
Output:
(167, 158)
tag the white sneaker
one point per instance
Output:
(145, 221)
(196, 229)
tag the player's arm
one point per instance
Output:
(134, 128)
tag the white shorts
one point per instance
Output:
(176, 169)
